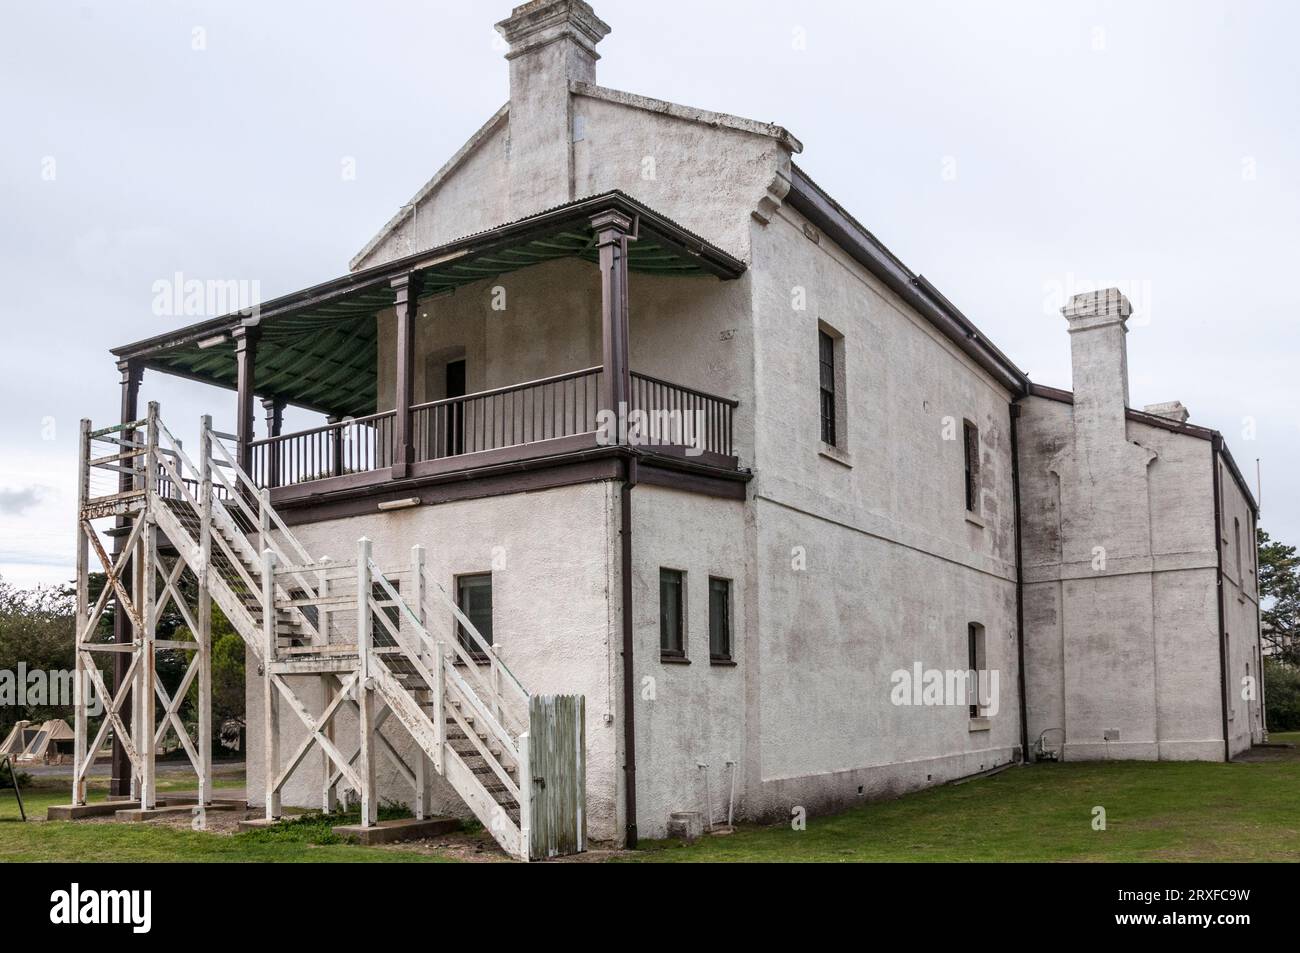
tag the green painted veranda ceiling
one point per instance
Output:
(320, 350)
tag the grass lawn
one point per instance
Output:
(1154, 812)
(307, 840)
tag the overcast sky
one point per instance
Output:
(1010, 151)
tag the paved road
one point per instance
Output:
(165, 769)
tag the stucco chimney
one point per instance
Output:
(1099, 360)
(552, 44)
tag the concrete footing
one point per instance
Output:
(75, 812)
(388, 832)
(135, 814)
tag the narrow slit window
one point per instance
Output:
(971, 436)
(826, 370)
(720, 620)
(974, 664)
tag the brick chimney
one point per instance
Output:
(552, 43)
(1099, 362)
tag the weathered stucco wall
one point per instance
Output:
(707, 178)
(688, 714)
(550, 555)
(1240, 613)
(866, 561)
(1121, 641)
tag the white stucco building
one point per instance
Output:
(866, 485)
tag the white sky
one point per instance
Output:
(1154, 145)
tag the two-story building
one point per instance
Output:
(680, 435)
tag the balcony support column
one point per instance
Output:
(407, 290)
(274, 409)
(613, 231)
(245, 361)
(123, 632)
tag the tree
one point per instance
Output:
(1279, 590)
(36, 633)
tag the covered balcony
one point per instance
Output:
(505, 356)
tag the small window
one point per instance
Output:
(826, 371)
(672, 613)
(971, 436)
(720, 620)
(474, 599)
(1236, 534)
(974, 663)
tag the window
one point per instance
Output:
(474, 599)
(971, 436)
(719, 620)
(1236, 535)
(974, 663)
(672, 613)
(826, 370)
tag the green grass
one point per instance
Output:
(1154, 812)
(305, 839)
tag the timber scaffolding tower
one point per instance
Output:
(358, 637)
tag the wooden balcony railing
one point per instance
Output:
(677, 416)
(353, 445)
(559, 406)
(567, 405)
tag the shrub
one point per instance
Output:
(7, 777)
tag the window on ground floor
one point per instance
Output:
(672, 613)
(474, 599)
(719, 619)
(975, 663)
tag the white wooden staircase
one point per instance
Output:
(334, 636)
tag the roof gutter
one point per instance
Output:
(807, 198)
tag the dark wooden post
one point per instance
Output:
(123, 632)
(407, 288)
(612, 231)
(274, 408)
(246, 361)
(336, 447)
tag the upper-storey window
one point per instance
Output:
(1236, 538)
(826, 369)
(971, 439)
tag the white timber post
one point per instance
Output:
(440, 707)
(264, 517)
(329, 792)
(525, 798)
(204, 635)
(270, 698)
(365, 648)
(80, 688)
(149, 663)
(423, 766)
